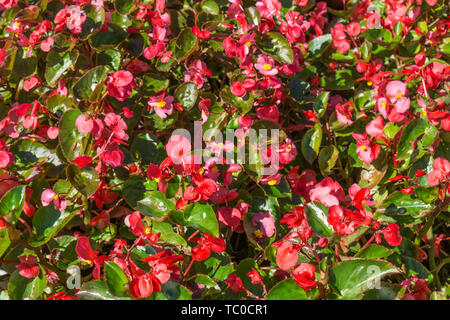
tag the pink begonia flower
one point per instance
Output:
(48, 196)
(229, 216)
(366, 150)
(31, 83)
(47, 44)
(266, 222)
(116, 124)
(7, 4)
(266, 65)
(269, 8)
(395, 89)
(6, 158)
(197, 72)
(161, 104)
(83, 124)
(375, 128)
(112, 156)
(272, 179)
(440, 172)
(76, 18)
(120, 84)
(328, 192)
(178, 149)
(52, 132)
(28, 267)
(269, 112)
(287, 152)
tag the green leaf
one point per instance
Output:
(133, 191)
(427, 195)
(155, 205)
(85, 180)
(91, 84)
(318, 45)
(276, 45)
(316, 215)
(154, 83)
(187, 94)
(11, 204)
(185, 44)
(94, 290)
(374, 251)
(172, 290)
(202, 217)
(124, 6)
(47, 222)
(24, 65)
(352, 277)
(110, 39)
(29, 153)
(286, 290)
(399, 203)
(311, 143)
(5, 241)
(116, 279)
(327, 159)
(148, 149)
(59, 104)
(410, 134)
(21, 288)
(70, 139)
(95, 17)
(173, 238)
(57, 64)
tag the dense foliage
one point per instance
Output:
(100, 200)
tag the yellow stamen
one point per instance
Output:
(201, 170)
(161, 104)
(147, 230)
(55, 196)
(363, 148)
(267, 66)
(383, 105)
(157, 179)
(369, 83)
(248, 43)
(399, 95)
(272, 182)
(258, 234)
(88, 261)
(424, 113)
(288, 148)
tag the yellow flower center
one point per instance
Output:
(201, 170)
(424, 113)
(147, 230)
(161, 104)
(369, 83)
(157, 179)
(258, 234)
(272, 182)
(248, 43)
(383, 105)
(363, 148)
(288, 148)
(267, 66)
(55, 196)
(88, 261)
(399, 95)
(214, 169)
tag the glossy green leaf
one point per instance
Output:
(352, 277)
(243, 104)
(85, 180)
(327, 159)
(133, 191)
(123, 6)
(286, 290)
(70, 139)
(5, 241)
(91, 84)
(317, 215)
(318, 45)
(116, 279)
(276, 45)
(59, 63)
(185, 44)
(413, 130)
(202, 217)
(47, 222)
(109, 39)
(186, 94)
(95, 17)
(11, 204)
(21, 288)
(311, 143)
(399, 203)
(155, 204)
(374, 251)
